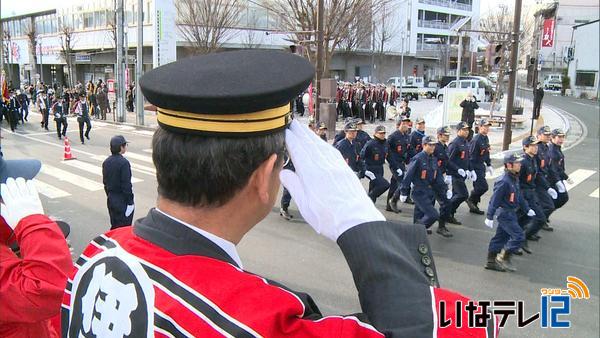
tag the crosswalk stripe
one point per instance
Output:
(63, 175)
(144, 132)
(595, 194)
(147, 150)
(49, 190)
(96, 170)
(126, 128)
(578, 176)
(139, 157)
(134, 166)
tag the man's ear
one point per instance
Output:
(262, 177)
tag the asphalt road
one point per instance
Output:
(292, 253)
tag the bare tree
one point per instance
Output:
(66, 49)
(7, 50)
(207, 24)
(300, 18)
(252, 37)
(32, 39)
(357, 34)
(386, 28)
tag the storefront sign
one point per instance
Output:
(548, 34)
(83, 58)
(164, 47)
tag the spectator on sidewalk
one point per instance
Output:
(469, 105)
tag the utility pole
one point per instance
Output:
(120, 71)
(459, 58)
(401, 64)
(41, 62)
(139, 99)
(512, 76)
(320, 42)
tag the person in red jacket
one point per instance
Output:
(32, 281)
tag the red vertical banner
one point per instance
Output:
(548, 33)
(311, 108)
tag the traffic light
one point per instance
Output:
(494, 54)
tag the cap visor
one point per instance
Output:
(20, 168)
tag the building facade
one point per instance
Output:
(420, 32)
(583, 69)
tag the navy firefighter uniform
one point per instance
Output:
(372, 157)
(443, 193)
(479, 158)
(506, 199)
(398, 143)
(423, 174)
(543, 162)
(557, 165)
(116, 176)
(458, 166)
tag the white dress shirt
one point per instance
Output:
(226, 245)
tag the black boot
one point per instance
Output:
(393, 204)
(492, 263)
(547, 227)
(526, 248)
(442, 230)
(453, 220)
(283, 212)
(473, 208)
(409, 200)
(504, 258)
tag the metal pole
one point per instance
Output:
(320, 42)
(120, 90)
(373, 52)
(534, 81)
(401, 67)
(459, 58)
(41, 63)
(513, 76)
(139, 99)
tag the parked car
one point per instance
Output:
(482, 91)
(553, 82)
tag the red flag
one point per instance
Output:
(311, 108)
(5, 94)
(548, 33)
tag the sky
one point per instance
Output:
(14, 7)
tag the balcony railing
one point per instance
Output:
(448, 3)
(434, 24)
(429, 46)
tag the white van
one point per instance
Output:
(481, 90)
(553, 82)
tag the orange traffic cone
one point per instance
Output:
(68, 155)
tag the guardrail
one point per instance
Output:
(448, 4)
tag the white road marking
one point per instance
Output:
(595, 194)
(147, 150)
(144, 132)
(49, 190)
(65, 176)
(139, 157)
(96, 170)
(135, 167)
(125, 128)
(578, 176)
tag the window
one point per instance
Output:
(101, 19)
(452, 84)
(585, 79)
(465, 84)
(88, 20)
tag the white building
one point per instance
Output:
(568, 13)
(583, 69)
(422, 32)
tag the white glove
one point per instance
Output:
(570, 181)
(490, 170)
(20, 199)
(531, 213)
(489, 223)
(449, 194)
(552, 193)
(399, 172)
(403, 198)
(448, 180)
(57, 115)
(129, 210)
(561, 187)
(473, 176)
(462, 172)
(321, 177)
(370, 175)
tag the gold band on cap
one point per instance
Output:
(265, 120)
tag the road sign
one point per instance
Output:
(110, 83)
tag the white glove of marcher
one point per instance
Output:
(473, 176)
(129, 210)
(399, 172)
(489, 223)
(20, 199)
(561, 187)
(530, 213)
(448, 180)
(403, 198)
(321, 177)
(569, 180)
(490, 170)
(448, 194)
(370, 175)
(552, 193)
(462, 172)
